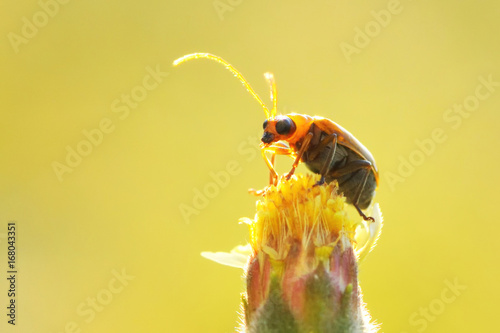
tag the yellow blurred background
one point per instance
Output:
(105, 148)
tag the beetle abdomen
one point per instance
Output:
(349, 183)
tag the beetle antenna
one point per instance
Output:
(274, 92)
(230, 68)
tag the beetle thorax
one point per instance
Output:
(303, 123)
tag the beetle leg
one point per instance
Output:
(313, 153)
(274, 150)
(358, 195)
(305, 145)
(270, 165)
(278, 150)
(329, 158)
(366, 218)
(272, 173)
(350, 168)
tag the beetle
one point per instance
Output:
(324, 146)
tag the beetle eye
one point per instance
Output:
(265, 124)
(283, 126)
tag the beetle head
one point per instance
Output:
(290, 128)
(278, 128)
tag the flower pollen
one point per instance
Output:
(298, 210)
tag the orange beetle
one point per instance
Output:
(324, 146)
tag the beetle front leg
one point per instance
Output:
(274, 150)
(305, 145)
(273, 179)
(270, 164)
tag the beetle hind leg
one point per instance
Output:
(358, 196)
(321, 181)
(366, 218)
(353, 167)
(329, 158)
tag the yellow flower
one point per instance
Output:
(302, 259)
